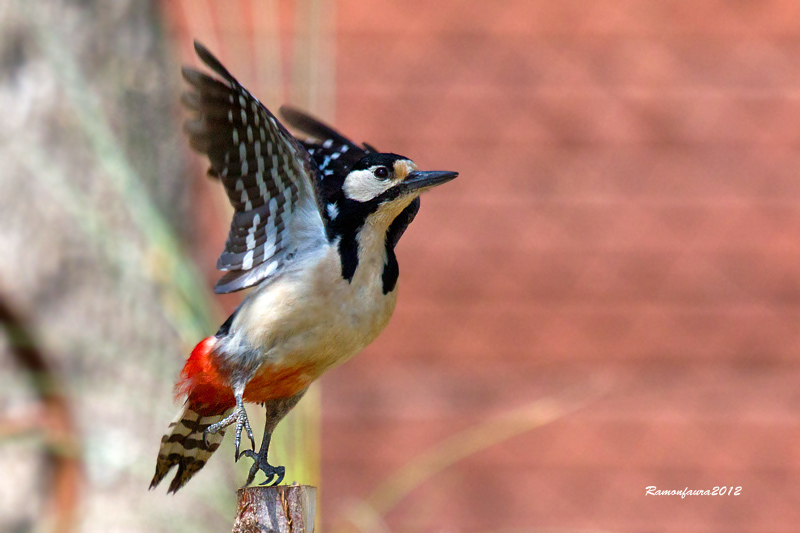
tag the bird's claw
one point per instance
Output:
(239, 416)
(243, 423)
(275, 474)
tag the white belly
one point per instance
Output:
(311, 317)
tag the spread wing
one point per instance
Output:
(269, 176)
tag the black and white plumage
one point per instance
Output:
(268, 175)
(313, 234)
(271, 178)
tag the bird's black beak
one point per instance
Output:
(427, 179)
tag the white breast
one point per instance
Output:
(311, 316)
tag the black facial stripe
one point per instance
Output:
(391, 270)
(348, 253)
(400, 223)
(346, 226)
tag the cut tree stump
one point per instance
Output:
(281, 509)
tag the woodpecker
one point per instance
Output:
(316, 221)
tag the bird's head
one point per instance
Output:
(380, 186)
(385, 178)
(371, 207)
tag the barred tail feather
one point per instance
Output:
(184, 446)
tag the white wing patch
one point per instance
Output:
(333, 211)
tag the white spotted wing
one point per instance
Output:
(269, 177)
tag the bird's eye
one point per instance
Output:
(382, 172)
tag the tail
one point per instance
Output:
(210, 400)
(184, 446)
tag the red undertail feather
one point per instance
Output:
(202, 382)
(209, 400)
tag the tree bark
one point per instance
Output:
(281, 509)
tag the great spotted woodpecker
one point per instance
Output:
(313, 234)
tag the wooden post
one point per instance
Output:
(281, 509)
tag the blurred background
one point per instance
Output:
(607, 299)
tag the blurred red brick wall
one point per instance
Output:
(627, 209)
(627, 219)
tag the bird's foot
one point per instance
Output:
(274, 474)
(239, 416)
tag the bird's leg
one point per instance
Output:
(276, 410)
(239, 416)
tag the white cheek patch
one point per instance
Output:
(363, 186)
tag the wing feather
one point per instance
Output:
(269, 177)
